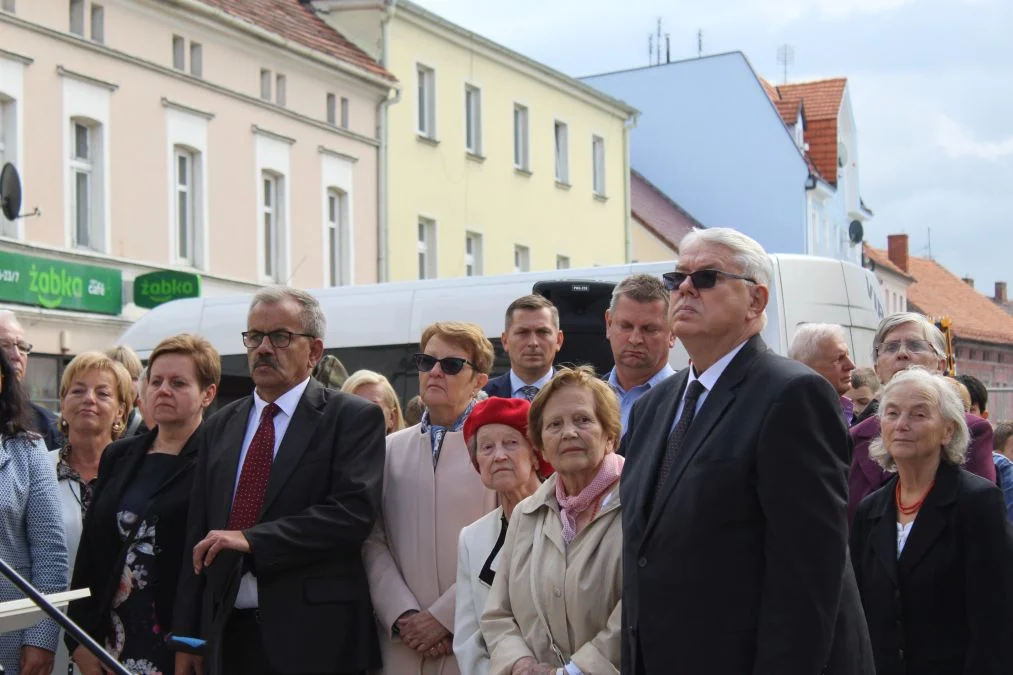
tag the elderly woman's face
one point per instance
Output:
(903, 347)
(92, 403)
(913, 426)
(505, 457)
(573, 438)
(173, 394)
(440, 390)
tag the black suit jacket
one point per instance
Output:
(499, 386)
(740, 566)
(44, 423)
(946, 606)
(100, 555)
(322, 498)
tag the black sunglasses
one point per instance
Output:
(702, 279)
(450, 365)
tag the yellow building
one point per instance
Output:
(494, 163)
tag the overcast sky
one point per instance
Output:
(931, 84)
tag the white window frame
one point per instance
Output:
(83, 167)
(426, 247)
(561, 148)
(339, 254)
(272, 215)
(473, 119)
(425, 90)
(98, 24)
(186, 243)
(522, 150)
(562, 262)
(178, 52)
(473, 263)
(77, 17)
(196, 59)
(522, 259)
(265, 84)
(598, 165)
(280, 89)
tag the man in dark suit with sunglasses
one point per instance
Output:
(734, 493)
(286, 490)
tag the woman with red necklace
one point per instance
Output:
(932, 549)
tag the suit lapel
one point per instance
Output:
(649, 455)
(884, 530)
(713, 410)
(297, 437)
(225, 469)
(932, 518)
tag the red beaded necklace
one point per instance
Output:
(908, 510)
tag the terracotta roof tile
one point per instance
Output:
(882, 259)
(821, 101)
(295, 21)
(938, 293)
(658, 212)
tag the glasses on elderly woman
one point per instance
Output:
(911, 346)
(450, 365)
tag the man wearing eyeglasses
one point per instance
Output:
(531, 339)
(734, 491)
(286, 490)
(17, 349)
(904, 340)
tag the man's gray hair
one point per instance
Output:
(809, 339)
(640, 288)
(7, 316)
(312, 316)
(932, 334)
(942, 394)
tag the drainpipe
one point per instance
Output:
(628, 125)
(382, 257)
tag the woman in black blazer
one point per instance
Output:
(132, 544)
(932, 549)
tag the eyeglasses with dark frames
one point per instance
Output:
(279, 338)
(22, 346)
(450, 365)
(702, 279)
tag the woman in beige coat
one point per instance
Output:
(430, 492)
(555, 603)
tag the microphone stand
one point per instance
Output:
(59, 617)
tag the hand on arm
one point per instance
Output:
(87, 662)
(421, 631)
(36, 661)
(216, 541)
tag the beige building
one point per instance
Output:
(237, 147)
(498, 163)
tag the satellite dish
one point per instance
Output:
(856, 232)
(10, 191)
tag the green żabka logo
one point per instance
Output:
(53, 286)
(165, 290)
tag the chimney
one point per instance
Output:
(1000, 292)
(968, 280)
(896, 248)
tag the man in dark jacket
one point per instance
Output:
(13, 343)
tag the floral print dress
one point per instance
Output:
(138, 639)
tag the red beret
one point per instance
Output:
(512, 412)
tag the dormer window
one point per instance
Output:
(799, 134)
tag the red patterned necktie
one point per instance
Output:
(256, 471)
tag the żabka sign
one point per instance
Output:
(156, 288)
(53, 284)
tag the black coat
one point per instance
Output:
(740, 565)
(946, 606)
(44, 423)
(323, 497)
(100, 555)
(499, 386)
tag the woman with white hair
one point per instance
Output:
(932, 550)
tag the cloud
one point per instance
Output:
(956, 141)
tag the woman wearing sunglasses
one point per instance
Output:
(430, 492)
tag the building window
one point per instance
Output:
(196, 59)
(85, 177)
(178, 52)
(187, 203)
(8, 6)
(521, 150)
(8, 148)
(560, 133)
(344, 112)
(598, 156)
(98, 24)
(562, 262)
(279, 90)
(473, 119)
(427, 102)
(332, 109)
(427, 249)
(265, 84)
(338, 248)
(272, 210)
(77, 17)
(522, 259)
(472, 254)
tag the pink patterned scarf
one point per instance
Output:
(570, 508)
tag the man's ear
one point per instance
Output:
(758, 298)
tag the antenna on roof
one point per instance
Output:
(699, 43)
(786, 58)
(650, 49)
(657, 44)
(668, 48)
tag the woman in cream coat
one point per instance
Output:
(497, 436)
(430, 492)
(555, 603)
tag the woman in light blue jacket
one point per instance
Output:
(31, 528)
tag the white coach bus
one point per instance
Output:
(378, 326)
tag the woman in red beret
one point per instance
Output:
(496, 434)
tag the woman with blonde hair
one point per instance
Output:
(374, 387)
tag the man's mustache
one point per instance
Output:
(265, 361)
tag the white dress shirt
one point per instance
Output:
(516, 383)
(708, 379)
(246, 598)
